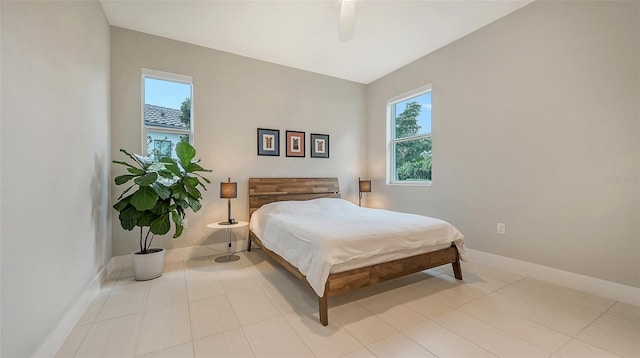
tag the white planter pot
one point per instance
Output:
(148, 266)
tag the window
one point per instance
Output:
(162, 148)
(167, 115)
(409, 133)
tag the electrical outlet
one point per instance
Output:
(185, 223)
(501, 228)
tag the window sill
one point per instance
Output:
(410, 183)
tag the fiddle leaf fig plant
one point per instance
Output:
(159, 192)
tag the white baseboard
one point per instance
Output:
(612, 290)
(183, 253)
(59, 334)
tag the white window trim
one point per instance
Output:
(390, 160)
(165, 76)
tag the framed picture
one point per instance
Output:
(268, 142)
(295, 144)
(319, 145)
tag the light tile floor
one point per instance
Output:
(254, 308)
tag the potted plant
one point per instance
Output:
(161, 192)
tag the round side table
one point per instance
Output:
(229, 257)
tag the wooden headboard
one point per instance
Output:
(268, 190)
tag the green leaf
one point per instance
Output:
(161, 207)
(185, 153)
(122, 204)
(129, 218)
(131, 212)
(161, 225)
(135, 171)
(177, 220)
(171, 165)
(127, 223)
(179, 194)
(195, 205)
(162, 191)
(123, 163)
(179, 229)
(174, 169)
(194, 167)
(166, 174)
(203, 178)
(146, 219)
(121, 179)
(144, 199)
(147, 179)
(193, 192)
(191, 181)
(125, 191)
(182, 204)
(132, 157)
(168, 160)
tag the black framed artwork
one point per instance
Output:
(319, 144)
(295, 144)
(268, 142)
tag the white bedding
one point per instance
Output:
(317, 234)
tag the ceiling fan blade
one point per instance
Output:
(347, 20)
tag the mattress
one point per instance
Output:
(332, 235)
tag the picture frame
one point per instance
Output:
(295, 144)
(319, 145)
(268, 142)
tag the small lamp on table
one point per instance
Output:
(364, 186)
(228, 190)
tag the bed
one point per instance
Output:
(338, 255)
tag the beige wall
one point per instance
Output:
(536, 125)
(55, 163)
(233, 96)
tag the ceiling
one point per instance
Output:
(304, 34)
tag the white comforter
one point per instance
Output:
(316, 234)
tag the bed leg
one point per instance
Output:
(457, 270)
(323, 310)
(249, 244)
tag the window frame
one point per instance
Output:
(172, 77)
(161, 141)
(391, 140)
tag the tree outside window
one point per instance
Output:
(411, 145)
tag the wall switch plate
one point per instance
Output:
(501, 228)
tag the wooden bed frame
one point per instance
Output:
(267, 190)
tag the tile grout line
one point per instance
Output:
(75, 351)
(488, 323)
(193, 341)
(147, 310)
(531, 304)
(378, 317)
(223, 293)
(590, 324)
(454, 333)
(144, 311)
(431, 320)
(567, 301)
(93, 320)
(298, 334)
(461, 337)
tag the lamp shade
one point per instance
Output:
(365, 186)
(228, 190)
